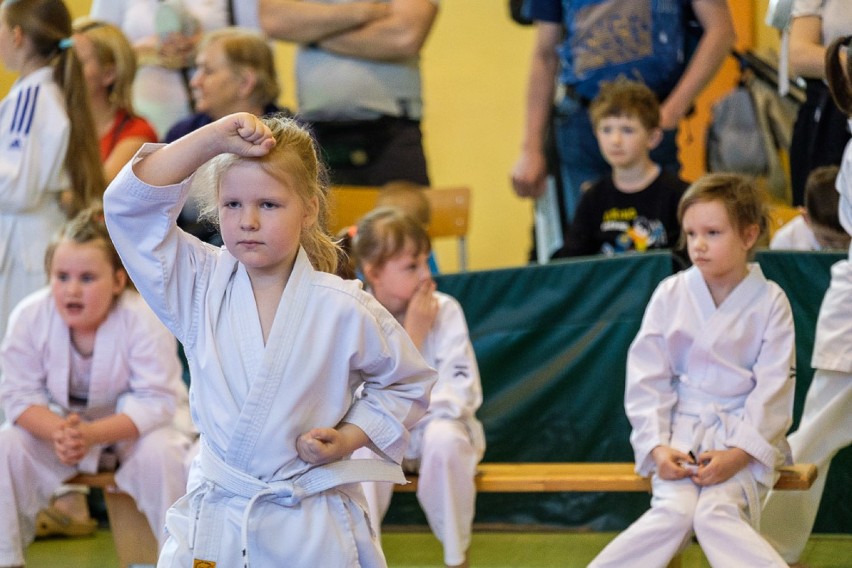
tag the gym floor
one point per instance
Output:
(419, 549)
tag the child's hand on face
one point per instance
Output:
(320, 446)
(421, 312)
(669, 463)
(244, 134)
(717, 466)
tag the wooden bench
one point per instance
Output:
(131, 533)
(135, 544)
(592, 477)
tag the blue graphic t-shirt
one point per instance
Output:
(641, 40)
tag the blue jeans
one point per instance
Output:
(580, 159)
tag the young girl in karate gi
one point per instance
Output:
(49, 161)
(90, 377)
(277, 346)
(710, 390)
(826, 424)
(392, 251)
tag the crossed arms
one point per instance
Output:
(382, 31)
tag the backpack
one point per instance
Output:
(734, 138)
(748, 128)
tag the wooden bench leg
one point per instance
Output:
(134, 541)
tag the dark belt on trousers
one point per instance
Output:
(571, 93)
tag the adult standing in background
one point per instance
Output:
(164, 34)
(821, 132)
(581, 43)
(358, 81)
(235, 72)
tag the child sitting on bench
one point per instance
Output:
(710, 386)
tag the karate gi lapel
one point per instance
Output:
(58, 371)
(269, 376)
(717, 319)
(101, 385)
(58, 364)
(246, 321)
(699, 294)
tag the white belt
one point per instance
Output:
(713, 413)
(290, 492)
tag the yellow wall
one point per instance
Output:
(475, 68)
(77, 8)
(766, 39)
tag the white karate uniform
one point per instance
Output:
(446, 444)
(257, 501)
(135, 370)
(795, 234)
(826, 424)
(700, 378)
(34, 131)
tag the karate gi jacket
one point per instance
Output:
(135, 367)
(833, 341)
(457, 394)
(251, 401)
(702, 377)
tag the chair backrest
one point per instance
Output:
(779, 215)
(450, 209)
(348, 203)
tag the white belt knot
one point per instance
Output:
(290, 492)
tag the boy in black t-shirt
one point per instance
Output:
(635, 208)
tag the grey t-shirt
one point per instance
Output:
(334, 87)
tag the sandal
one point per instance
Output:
(53, 522)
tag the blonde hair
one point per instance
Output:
(744, 202)
(293, 157)
(112, 48)
(243, 49)
(383, 233)
(86, 227)
(408, 197)
(47, 24)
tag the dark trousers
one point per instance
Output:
(372, 152)
(820, 135)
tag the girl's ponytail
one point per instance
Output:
(47, 24)
(320, 246)
(82, 160)
(839, 79)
